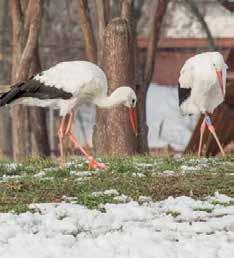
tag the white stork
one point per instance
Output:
(65, 86)
(202, 87)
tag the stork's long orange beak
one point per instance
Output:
(220, 78)
(133, 119)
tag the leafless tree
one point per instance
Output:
(114, 125)
(26, 17)
(87, 30)
(145, 62)
(5, 125)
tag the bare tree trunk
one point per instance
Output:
(38, 125)
(25, 32)
(102, 21)
(148, 67)
(87, 30)
(20, 124)
(114, 125)
(5, 125)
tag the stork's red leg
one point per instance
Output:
(69, 122)
(61, 136)
(212, 130)
(202, 130)
(92, 162)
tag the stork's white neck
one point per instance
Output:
(115, 99)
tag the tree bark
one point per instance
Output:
(113, 134)
(25, 46)
(102, 22)
(38, 125)
(147, 65)
(87, 30)
(5, 125)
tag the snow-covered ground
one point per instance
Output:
(176, 227)
(166, 124)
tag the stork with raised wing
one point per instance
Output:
(202, 87)
(63, 87)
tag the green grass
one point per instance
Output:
(122, 174)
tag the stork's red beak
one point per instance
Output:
(220, 78)
(133, 119)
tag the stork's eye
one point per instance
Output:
(133, 101)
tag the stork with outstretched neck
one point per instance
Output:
(202, 87)
(65, 86)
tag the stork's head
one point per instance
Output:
(220, 68)
(130, 100)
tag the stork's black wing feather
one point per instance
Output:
(183, 94)
(33, 88)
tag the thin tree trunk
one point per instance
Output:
(148, 67)
(25, 47)
(5, 125)
(38, 124)
(114, 125)
(87, 30)
(20, 123)
(102, 22)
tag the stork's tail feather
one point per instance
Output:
(14, 93)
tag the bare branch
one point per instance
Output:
(87, 30)
(196, 12)
(160, 10)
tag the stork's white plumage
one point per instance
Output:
(202, 87)
(65, 86)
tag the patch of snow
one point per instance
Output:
(144, 165)
(168, 173)
(138, 174)
(122, 198)
(6, 178)
(125, 230)
(81, 173)
(185, 168)
(222, 198)
(111, 192)
(40, 174)
(11, 166)
(108, 192)
(69, 199)
(144, 199)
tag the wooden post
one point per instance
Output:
(113, 134)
